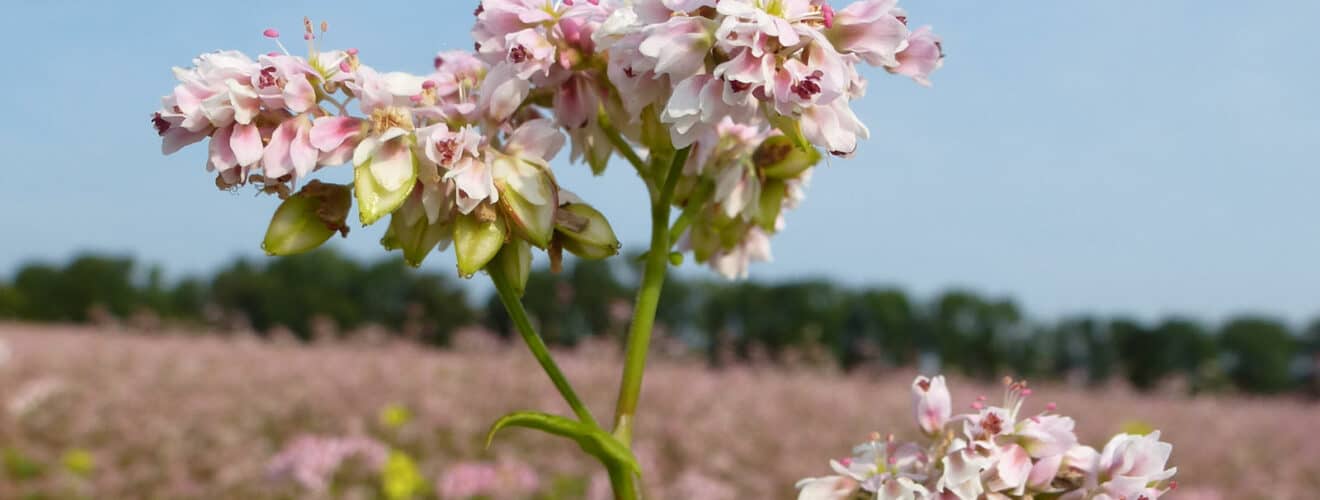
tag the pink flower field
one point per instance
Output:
(94, 413)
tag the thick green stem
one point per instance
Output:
(648, 299)
(513, 304)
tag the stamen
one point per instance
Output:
(274, 34)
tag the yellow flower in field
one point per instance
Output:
(395, 416)
(399, 478)
(79, 462)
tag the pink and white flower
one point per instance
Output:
(931, 403)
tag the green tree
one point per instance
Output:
(1260, 353)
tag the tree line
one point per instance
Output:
(812, 321)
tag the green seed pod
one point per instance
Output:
(306, 220)
(585, 232)
(477, 238)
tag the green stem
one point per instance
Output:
(513, 304)
(616, 140)
(695, 201)
(623, 483)
(648, 299)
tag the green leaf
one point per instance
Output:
(594, 441)
(374, 201)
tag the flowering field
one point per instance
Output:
(95, 414)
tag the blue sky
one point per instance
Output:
(1129, 157)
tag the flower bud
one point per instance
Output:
(478, 236)
(933, 403)
(515, 263)
(528, 198)
(306, 220)
(778, 158)
(792, 130)
(584, 231)
(383, 180)
(413, 232)
(771, 202)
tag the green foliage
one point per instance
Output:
(19, 467)
(816, 320)
(1260, 352)
(596, 442)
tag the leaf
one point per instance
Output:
(596, 442)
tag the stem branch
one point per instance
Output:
(513, 304)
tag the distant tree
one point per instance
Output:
(9, 302)
(48, 293)
(1144, 354)
(1086, 344)
(1260, 352)
(892, 319)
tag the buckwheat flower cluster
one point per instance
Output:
(758, 89)
(454, 156)
(995, 452)
(748, 94)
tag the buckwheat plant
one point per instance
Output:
(723, 108)
(995, 452)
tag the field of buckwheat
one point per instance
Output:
(99, 413)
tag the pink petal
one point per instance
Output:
(537, 138)
(246, 143)
(276, 160)
(330, 132)
(178, 137)
(337, 156)
(302, 153)
(221, 155)
(299, 95)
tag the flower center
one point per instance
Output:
(267, 78)
(807, 88)
(518, 54)
(992, 424)
(447, 149)
(160, 123)
(387, 118)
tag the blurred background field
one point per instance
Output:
(111, 412)
(323, 376)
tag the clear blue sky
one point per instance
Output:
(1136, 156)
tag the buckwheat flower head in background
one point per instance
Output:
(754, 92)
(994, 452)
(312, 461)
(502, 479)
